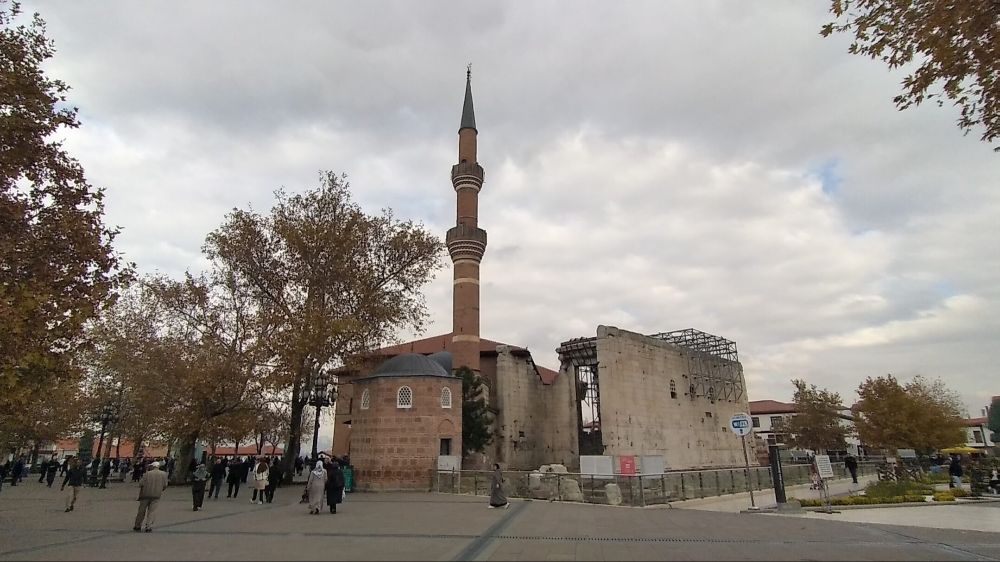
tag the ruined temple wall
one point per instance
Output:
(638, 415)
(534, 422)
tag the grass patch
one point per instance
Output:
(890, 489)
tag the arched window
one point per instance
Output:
(673, 389)
(366, 399)
(404, 397)
(446, 397)
(711, 393)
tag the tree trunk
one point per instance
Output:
(294, 440)
(260, 443)
(184, 458)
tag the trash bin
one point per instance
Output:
(348, 479)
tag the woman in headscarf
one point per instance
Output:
(334, 486)
(497, 497)
(198, 479)
(260, 474)
(315, 487)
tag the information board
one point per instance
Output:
(626, 465)
(823, 466)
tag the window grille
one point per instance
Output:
(446, 397)
(404, 398)
(673, 389)
(366, 400)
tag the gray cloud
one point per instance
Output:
(649, 165)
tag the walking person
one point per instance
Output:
(151, 487)
(260, 474)
(233, 479)
(274, 479)
(105, 473)
(4, 469)
(43, 469)
(218, 474)
(247, 467)
(76, 475)
(851, 464)
(17, 471)
(50, 472)
(497, 497)
(198, 479)
(299, 464)
(334, 486)
(316, 487)
(955, 470)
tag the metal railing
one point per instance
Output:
(634, 490)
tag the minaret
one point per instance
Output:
(466, 241)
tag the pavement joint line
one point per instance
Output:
(479, 544)
(124, 532)
(951, 549)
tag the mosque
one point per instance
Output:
(620, 403)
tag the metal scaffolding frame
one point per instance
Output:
(713, 367)
(581, 353)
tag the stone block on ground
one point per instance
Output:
(569, 490)
(613, 493)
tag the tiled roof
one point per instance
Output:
(974, 422)
(771, 407)
(250, 450)
(434, 344)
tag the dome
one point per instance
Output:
(411, 365)
(442, 358)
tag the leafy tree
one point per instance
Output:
(922, 415)
(329, 280)
(57, 266)
(993, 420)
(957, 44)
(816, 424)
(477, 421)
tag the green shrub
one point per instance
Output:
(959, 492)
(893, 489)
(944, 497)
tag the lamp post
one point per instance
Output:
(323, 394)
(108, 415)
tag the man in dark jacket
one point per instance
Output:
(218, 474)
(15, 474)
(50, 472)
(43, 468)
(851, 464)
(105, 473)
(75, 477)
(274, 477)
(233, 478)
(247, 467)
(955, 471)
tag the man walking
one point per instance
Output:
(105, 473)
(218, 474)
(151, 488)
(15, 475)
(851, 464)
(42, 471)
(75, 477)
(51, 470)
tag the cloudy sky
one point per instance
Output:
(652, 166)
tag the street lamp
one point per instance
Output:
(109, 414)
(323, 394)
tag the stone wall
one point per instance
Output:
(639, 416)
(395, 448)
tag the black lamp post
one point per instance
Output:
(323, 394)
(108, 415)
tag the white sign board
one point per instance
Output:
(597, 466)
(741, 424)
(449, 462)
(823, 466)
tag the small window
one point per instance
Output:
(711, 393)
(445, 448)
(673, 389)
(366, 399)
(978, 436)
(775, 421)
(756, 421)
(404, 397)
(446, 397)
(708, 414)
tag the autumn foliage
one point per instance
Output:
(922, 415)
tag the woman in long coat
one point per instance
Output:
(497, 497)
(334, 486)
(316, 487)
(259, 482)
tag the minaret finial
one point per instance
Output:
(468, 72)
(468, 113)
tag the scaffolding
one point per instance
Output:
(713, 367)
(581, 354)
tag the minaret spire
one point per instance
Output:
(466, 241)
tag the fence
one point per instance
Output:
(637, 490)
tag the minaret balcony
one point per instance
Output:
(465, 242)
(467, 174)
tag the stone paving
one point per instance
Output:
(401, 526)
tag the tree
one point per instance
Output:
(477, 422)
(330, 280)
(921, 415)
(57, 266)
(816, 424)
(993, 420)
(957, 42)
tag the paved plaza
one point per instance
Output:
(415, 526)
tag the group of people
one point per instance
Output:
(264, 475)
(325, 483)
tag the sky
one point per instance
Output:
(649, 165)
